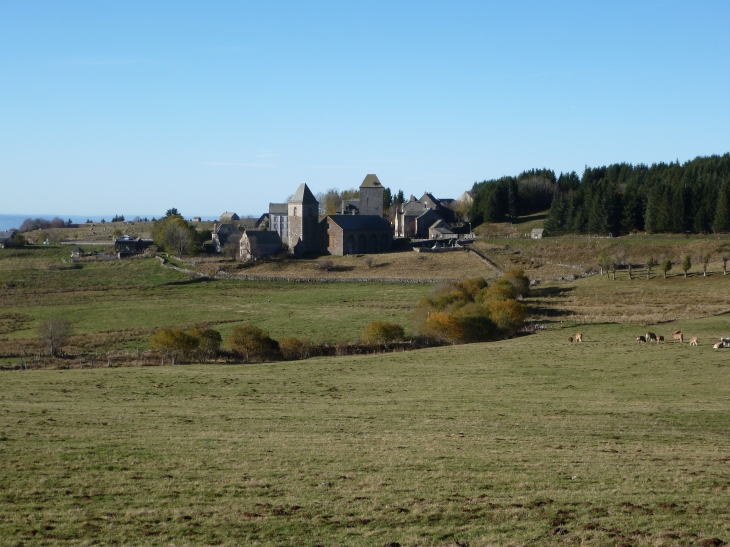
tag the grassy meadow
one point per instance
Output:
(526, 441)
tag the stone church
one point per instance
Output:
(359, 231)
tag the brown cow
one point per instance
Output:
(693, 341)
(659, 339)
(641, 338)
(650, 337)
(719, 345)
(677, 335)
(570, 339)
(578, 336)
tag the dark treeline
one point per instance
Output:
(618, 199)
(500, 199)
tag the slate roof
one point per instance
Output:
(263, 237)
(227, 217)
(441, 226)
(10, 234)
(360, 222)
(371, 181)
(278, 209)
(303, 195)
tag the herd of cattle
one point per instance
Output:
(659, 339)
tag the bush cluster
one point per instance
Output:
(181, 344)
(473, 311)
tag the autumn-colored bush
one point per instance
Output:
(508, 315)
(178, 344)
(517, 278)
(292, 348)
(252, 342)
(208, 342)
(444, 326)
(382, 332)
(473, 285)
(477, 327)
(499, 290)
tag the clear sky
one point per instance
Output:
(135, 107)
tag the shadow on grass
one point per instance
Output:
(550, 292)
(192, 281)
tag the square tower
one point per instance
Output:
(371, 196)
(303, 209)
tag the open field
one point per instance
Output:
(603, 443)
(139, 294)
(393, 265)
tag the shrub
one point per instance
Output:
(517, 278)
(473, 285)
(293, 348)
(477, 328)
(444, 326)
(53, 333)
(208, 342)
(382, 332)
(176, 343)
(508, 315)
(499, 290)
(252, 342)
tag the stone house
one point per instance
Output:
(6, 239)
(370, 201)
(414, 217)
(356, 234)
(229, 217)
(440, 230)
(78, 252)
(224, 233)
(257, 244)
(537, 233)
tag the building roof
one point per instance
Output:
(263, 237)
(371, 181)
(278, 209)
(303, 195)
(537, 230)
(360, 222)
(8, 234)
(349, 205)
(225, 227)
(229, 216)
(77, 250)
(441, 226)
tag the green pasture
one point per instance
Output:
(529, 441)
(140, 293)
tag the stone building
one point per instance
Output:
(223, 234)
(279, 220)
(440, 230)
(356, 234)
(303, 212)
(257, 244)
(415, 216)
(229, 217)
(370, 201)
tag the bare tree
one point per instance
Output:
(54, 332)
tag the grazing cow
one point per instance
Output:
(693, 341)
(725, 341)
(659, 339)
(641, 338)
(719, 345)
(650, 337)
(578, 336)
(677, 335)
(570, 339)
(677, 332)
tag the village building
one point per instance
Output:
(262, 222)
(258, 244)
(229, 217)
(370, 201)
(224, 233)
(414, 217)
(356, 234)
(303, 220)
(440, 230)
(78, 252)
(537, 233)
(279, 220)
(126, 246)
(349, 207)
(7, 239)
(195, 219)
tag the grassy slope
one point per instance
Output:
(120, 295)
(491, 444)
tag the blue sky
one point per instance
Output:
(136, 107)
